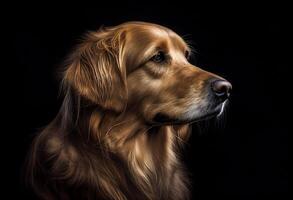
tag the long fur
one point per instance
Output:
(96, 148)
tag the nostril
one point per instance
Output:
(221, 88)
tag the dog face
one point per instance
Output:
(161, 81)
(144, 68)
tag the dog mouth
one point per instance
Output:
(161, 118)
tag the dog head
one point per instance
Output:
(143, 68)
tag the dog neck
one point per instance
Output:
(150, 152)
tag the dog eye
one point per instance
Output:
(159, 57)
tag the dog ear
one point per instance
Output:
(95, 70)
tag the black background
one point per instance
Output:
(244, 156)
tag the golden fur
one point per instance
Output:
(105, 142)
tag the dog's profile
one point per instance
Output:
(129, 97)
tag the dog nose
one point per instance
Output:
(221, 89)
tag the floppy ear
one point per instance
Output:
(95, 70)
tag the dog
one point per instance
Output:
(130, 95)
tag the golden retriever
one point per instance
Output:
(130, 95)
